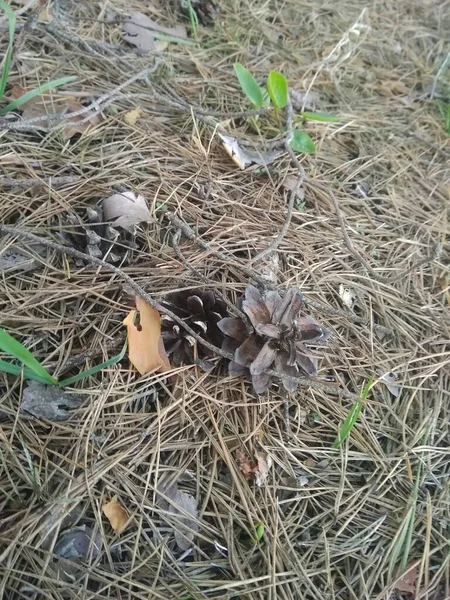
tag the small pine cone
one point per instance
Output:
(96, 238)
(277, 340)
(201, 310)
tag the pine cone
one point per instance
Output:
(276, 341)
(96, 238)
(201, 310)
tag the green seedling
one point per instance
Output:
(33, 369)
(36, 92)
(277, 94)
(353, 415)
(11, 15)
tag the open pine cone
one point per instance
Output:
(276, 341)
(201, 310)
(96, 238)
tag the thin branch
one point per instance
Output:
(50, 181)
(304, 382)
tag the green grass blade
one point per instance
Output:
(12, 369)
(36, 92)
(193, 19)
(249, 85)
(8, 55)
(317, 116)
(17, 350)
(353, 415)
(104, 365)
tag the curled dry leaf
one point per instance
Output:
(245, 464)
(116, 514)
(390, 380)
(126, 210)
(264, 464)
(139, 31)
(244, 157)
(184, 507)
(348, 296)
(49, 401)
(145, 346)
(290, 184)
(259, 468)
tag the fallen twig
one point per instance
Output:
(50, 181)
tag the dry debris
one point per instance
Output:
(49, 402)
(126, 210)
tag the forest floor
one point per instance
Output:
(281, 511)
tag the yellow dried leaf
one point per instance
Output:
(131, 117)
(145, 346)
(116, 514)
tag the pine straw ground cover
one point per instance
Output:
(337, 523)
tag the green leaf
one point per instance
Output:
(36, 92)
(315, 116)
(17, 350)
(301, 142)
(8, 54)
(104, 365)
(249, 85)
(278, 89)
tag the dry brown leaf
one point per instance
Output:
(126, 210)
(49, 104)
(260, 469)
(244, 157)
(139, 30)
(116, 514)
(264, 465)
(183, 503)
(290, 184)
(408, 581)
(131, 117)
(145, 346)
(245, 464)
(348, 296)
